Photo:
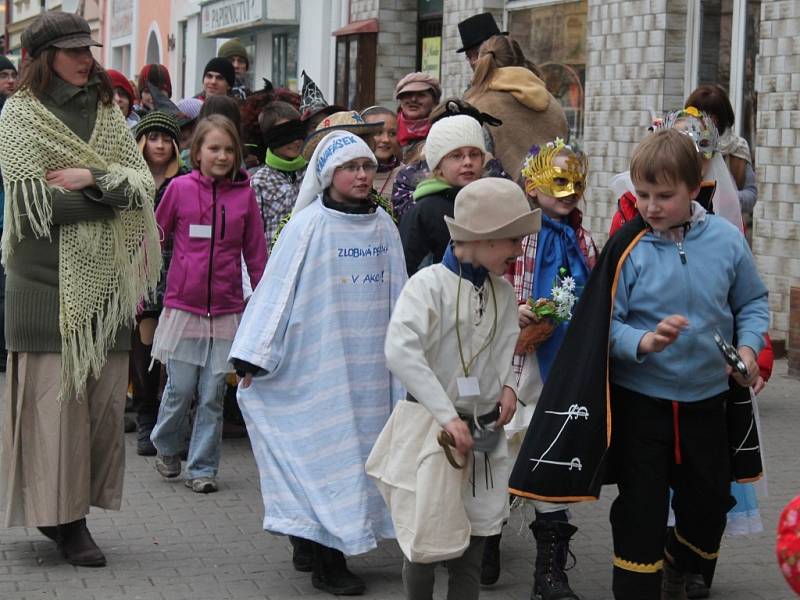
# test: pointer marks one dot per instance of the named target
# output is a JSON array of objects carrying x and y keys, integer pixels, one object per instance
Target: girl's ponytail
[
  {"x": 496, "y": 52},
  {"x": 484, "y": 69}
]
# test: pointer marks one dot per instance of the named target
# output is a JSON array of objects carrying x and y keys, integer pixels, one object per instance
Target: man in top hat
[{"x": 474, "y": 31}]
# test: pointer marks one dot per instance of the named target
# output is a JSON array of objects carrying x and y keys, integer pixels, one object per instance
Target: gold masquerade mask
[{"x": 541, "y": 174}]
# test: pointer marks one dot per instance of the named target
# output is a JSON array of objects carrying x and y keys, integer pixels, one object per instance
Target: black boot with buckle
[
  {"x": 552, "y": 548},
  {"x": 490, "y": 564},
  {"x": 332, "y": 575}
]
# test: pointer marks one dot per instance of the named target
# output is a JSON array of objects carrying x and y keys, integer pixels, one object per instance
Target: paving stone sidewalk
[{"x": 168, "y": 543}]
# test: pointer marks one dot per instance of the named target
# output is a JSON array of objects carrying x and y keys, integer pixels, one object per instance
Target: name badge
[
  {"x": 468, "y": 387},
  {"x": 200, "y": 231}
]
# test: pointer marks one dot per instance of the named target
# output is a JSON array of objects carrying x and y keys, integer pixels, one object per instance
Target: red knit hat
[
  {"x": 157, "y": 75},
  {"x": 118, "y": 80},
  {"x": 788, "y": 547}
]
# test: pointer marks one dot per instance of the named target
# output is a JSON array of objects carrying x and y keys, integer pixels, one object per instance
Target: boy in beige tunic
[{"x": 450, "y": 341}]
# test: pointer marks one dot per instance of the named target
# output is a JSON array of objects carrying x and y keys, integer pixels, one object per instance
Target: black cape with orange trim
[{"x": 565, "y": 452}]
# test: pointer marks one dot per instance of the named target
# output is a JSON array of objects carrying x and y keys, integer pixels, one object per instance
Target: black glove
[{"x": 243, "y": 368}]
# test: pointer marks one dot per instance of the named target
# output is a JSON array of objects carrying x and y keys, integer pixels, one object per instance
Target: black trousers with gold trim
[{"x": 657, "y": 445}]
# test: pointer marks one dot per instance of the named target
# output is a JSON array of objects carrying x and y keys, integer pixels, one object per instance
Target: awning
[{"x": 366, "y": 26}]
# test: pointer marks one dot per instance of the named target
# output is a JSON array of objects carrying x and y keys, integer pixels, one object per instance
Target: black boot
[
  {"x": 696, "y": 587},
  {"x": 49, "y": 531},
  {"x": 490, "y": 565},
  {"x": 302, "y": 554},
  {"x": 673, "y": 581},
  {"x": 331, "y": 573},
  {"x": 552, "y": 548},
  {"x": 78, "y": 547}
]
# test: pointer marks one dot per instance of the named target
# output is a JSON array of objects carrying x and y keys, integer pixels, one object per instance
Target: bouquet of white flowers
[{"x": 549, "y": 313}]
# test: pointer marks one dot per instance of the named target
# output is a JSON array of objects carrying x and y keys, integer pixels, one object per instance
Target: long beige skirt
[{"x": 60, "y": 458}]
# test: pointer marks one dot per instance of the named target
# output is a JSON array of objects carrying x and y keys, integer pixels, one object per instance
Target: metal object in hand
[{"x": 730, "y": 354}]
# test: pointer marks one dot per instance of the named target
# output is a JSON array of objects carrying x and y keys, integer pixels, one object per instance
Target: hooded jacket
[
  {"x": 530, "y": 114},
  {"x": 214, "y": 224},
  {"x": 422, "y": 229}
]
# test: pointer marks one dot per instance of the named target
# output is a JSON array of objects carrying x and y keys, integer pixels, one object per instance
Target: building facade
[
  {"x": 612, "y": 64},
  {"x": 137, "y": 34},
  {"x": 616, "y": 64}
]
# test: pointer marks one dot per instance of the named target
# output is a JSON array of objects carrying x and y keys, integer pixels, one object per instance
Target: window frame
[
  {"x": 738, "y": 49},
  {"x": 366, "y": 61},
  {"x": 519, "y": 5}
]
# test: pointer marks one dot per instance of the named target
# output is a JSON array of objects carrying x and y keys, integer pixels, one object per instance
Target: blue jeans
[{"x": 183, "y": 381}]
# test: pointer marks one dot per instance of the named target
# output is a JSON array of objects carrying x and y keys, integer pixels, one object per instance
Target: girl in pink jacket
[{"x": 214, "y": 220}]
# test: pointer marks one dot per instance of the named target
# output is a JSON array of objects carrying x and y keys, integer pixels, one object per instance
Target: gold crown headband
[{"x": 540, "y": 173}]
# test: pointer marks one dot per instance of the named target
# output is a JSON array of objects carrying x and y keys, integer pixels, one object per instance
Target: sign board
[
  {"x": 431, "y": 56},
  {"x": 429, "y": 8},
  {"x": 229, "y": 15},
  {"x": 122, "y": 23}
]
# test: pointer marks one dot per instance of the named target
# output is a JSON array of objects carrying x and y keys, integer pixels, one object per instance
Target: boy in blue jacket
[
  {"x": 690, "y": 276},
  {"x": 640, "y": 395}
]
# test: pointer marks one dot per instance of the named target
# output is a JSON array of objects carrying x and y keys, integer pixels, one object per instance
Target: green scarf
[
  {"x": 430, "y": 186},
  {"x": 281, "y": 164}
]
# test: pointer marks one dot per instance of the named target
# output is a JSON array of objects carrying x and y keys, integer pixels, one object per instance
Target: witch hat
[
  {"x": 312, "y": 97},
  {"x": 313, "y": 102}
]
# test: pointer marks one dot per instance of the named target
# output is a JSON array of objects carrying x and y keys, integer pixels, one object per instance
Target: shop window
[
  {"x": 554, "y": 38},
  {"x": 284, "y": 60},
  {"x": 355, "y": 70}
]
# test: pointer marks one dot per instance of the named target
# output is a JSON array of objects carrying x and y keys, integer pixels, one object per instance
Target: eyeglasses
[
  {"x": 4, "y": 75},
  {"x": 460, "y": 155},
  {"x": 368, "y": 167}
]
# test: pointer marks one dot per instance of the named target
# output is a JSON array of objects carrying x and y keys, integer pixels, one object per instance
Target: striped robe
[{"x": 317, "y": 324}]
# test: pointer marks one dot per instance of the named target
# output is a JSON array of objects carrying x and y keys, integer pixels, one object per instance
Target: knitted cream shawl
[{"x": 104, "y": 267}]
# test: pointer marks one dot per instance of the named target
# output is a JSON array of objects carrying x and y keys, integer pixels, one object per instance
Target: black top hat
[{"x": 477, "y": 29}]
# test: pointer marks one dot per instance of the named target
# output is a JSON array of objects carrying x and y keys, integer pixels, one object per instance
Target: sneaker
[
  {"x": 202, "y": 485},
  {"x": 168, "y": 466}
]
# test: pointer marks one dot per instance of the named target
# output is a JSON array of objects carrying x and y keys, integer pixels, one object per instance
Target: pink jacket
[{"x": 213, "y": 224}]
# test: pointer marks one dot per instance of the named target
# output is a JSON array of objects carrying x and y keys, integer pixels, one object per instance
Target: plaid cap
[
  {"x": 58, "y": 29},
  {"x": 158, "y": 121}
]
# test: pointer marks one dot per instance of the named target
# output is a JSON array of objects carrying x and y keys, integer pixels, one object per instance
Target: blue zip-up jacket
[{"x": 712, "y": 280}]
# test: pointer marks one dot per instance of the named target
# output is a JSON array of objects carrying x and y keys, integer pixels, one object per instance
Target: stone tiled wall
[
  {"x": 361, "y": 10},
  {"x": 776, "y": 235},
  {"x": 397, "y": 42},
  {"x": 397, "y": 47},
  {"x": 634, "y": 71}
]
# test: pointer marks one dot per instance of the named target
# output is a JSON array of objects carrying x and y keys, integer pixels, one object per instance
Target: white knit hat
[
  {"x": 450, "y": 133},
  {"x": 335, "y": 149}
]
